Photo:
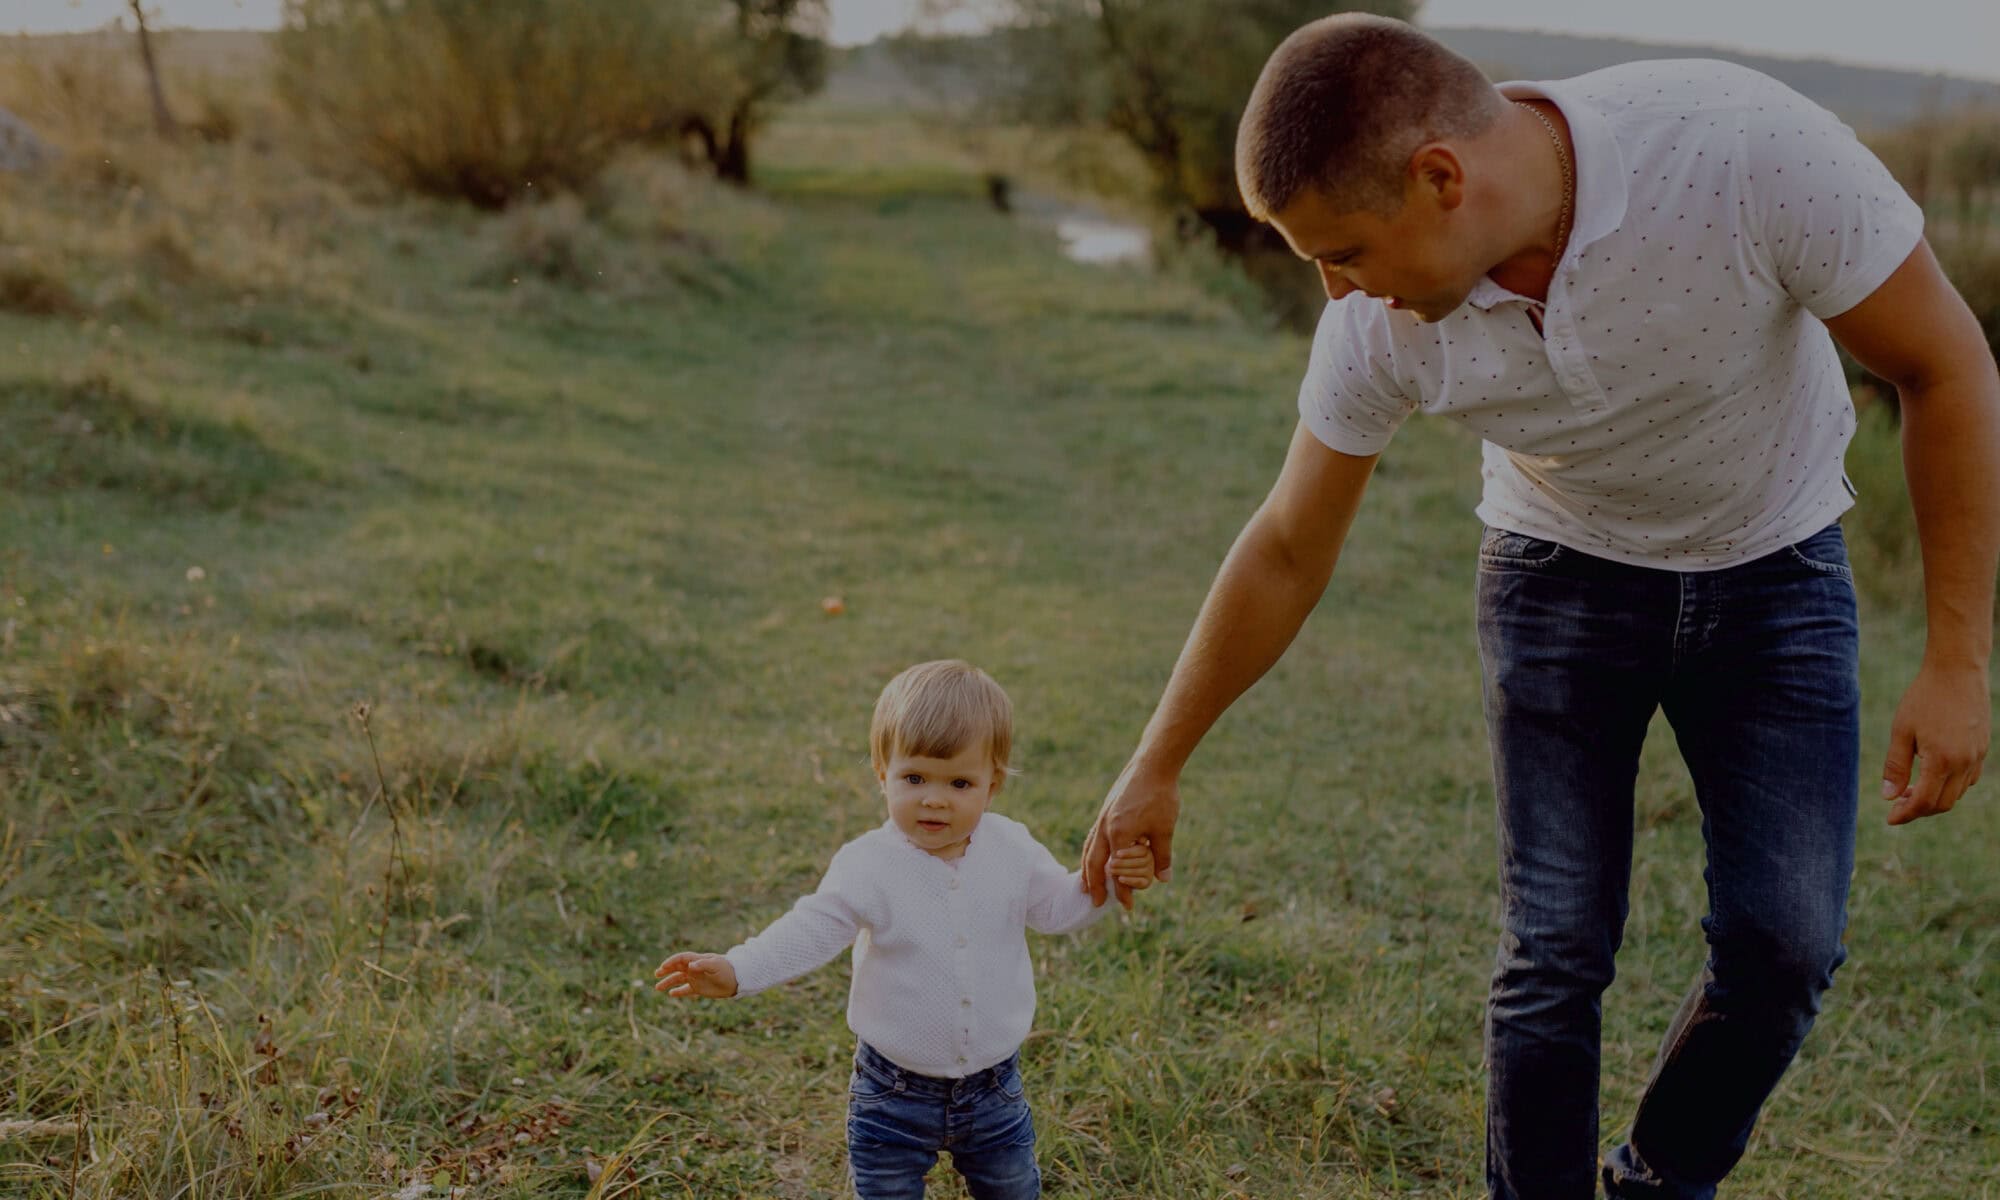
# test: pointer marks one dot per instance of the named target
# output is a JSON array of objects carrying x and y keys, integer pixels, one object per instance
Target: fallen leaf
[{"x": 1384, "y": 1101}]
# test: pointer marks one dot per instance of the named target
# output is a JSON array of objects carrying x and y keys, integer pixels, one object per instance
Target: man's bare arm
[
  {"x": 1915, "y": 332},
  {"x": 1268, "y": 584}
]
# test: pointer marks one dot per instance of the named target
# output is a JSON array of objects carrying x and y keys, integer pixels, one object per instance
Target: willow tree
[
  {"x": 1168, "y": 76},
  {"x": 759, "y": 54}
]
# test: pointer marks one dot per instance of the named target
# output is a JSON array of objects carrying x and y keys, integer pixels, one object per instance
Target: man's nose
[{"x": 1335, "y": 283}]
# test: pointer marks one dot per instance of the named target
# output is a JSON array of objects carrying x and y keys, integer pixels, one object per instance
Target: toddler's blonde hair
[{"x": 936, "y": 709}]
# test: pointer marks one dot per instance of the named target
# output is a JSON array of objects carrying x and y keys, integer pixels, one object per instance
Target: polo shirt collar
[{"x": 1601, "y": 191}]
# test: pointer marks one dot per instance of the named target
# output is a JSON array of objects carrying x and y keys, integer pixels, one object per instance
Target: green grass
[{"x": 569, "y": 537}]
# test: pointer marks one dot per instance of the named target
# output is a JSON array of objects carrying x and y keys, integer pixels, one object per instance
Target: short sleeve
[
  {"x": 1834, "y": 223},
  {"x": 1349, "y": 397}
]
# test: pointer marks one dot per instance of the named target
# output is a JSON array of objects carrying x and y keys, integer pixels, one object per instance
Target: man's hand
[
  {"x": 1139, "y": 809},
  {"x": 1943, "y": 723},
  {"x": 690, "y": 974}
]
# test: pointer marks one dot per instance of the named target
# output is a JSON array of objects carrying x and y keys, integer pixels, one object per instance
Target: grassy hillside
[{"x": 411, "y": 630}]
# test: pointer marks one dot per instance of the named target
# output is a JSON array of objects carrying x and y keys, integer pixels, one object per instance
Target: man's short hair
[
  {"x": 1343, "y": 103},
  {"x": 936, "y": 709}
]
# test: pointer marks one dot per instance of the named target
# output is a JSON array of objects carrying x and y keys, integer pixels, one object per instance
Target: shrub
[
  {"x": 30, "y": 286},
  {"x": 216, "y": 121},
  {"x": 473, "y": 100},
  {"x": 551, "y": 241},
  {"x": 68, "y": 88}
]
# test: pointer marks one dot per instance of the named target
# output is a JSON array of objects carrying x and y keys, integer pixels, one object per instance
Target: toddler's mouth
[{"x": 933, "y": 826}]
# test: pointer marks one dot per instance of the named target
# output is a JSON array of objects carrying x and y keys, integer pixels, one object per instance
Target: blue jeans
[
  {"x": 1755, "y": 668},
  {"x": 898, "y": 1120}
]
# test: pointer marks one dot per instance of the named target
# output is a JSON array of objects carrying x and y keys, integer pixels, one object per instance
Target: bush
[
  {"x": 80, "y": 87},
  {"x": 29, "y": 286},
  {"x": 478, "y": 101},
  {"x": 551, "y": 241}
]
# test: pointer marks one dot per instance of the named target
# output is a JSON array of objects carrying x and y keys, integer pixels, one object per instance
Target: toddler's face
[{"x": 936, "y": 802}]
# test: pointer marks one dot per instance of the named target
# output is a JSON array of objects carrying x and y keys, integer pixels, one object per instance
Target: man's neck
[{"x": 1535, "y": 208}]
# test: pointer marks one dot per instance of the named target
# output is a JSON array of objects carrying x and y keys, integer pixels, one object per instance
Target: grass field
[{"x": 557, "y": 497}]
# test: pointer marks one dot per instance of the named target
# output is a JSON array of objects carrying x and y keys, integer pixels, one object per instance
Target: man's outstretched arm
[
  {"x": 1270, "y": 581},
  {"x": 1915, "y": 332}
]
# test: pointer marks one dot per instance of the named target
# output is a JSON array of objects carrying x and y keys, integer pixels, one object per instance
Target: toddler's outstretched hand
[
  {"x": 691, "y": 974},
  {"x": 1132, "y": 866}
]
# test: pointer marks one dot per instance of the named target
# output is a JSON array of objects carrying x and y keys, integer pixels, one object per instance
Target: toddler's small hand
[
  {"x": 1132, "y": 866},
  {"x": 691, "y": 974}
]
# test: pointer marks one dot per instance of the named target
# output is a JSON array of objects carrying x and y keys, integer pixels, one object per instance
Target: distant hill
[
  {"x": 219, "y": 53},
  {"x": 877, "y": 76},
  {"x": 1865, "y": 97}
]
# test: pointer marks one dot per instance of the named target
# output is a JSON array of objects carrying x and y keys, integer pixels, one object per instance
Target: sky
[{"x": 1958, "y": 36}]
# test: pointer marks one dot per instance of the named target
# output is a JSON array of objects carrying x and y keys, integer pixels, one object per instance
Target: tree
[
  {"x": 1170, "y": 77},
  {"x": 163, "y": 118},
  {"x": 769, "y": 51}
]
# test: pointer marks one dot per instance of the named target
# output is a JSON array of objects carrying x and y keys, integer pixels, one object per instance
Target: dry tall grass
[{"x": 481, "y": 102}]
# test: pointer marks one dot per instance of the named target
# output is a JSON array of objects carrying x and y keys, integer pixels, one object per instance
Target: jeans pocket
[
  {"x": 1824, "y": 552},
  {"x": 864, "y": 1089},
  {"x": 1505, "y": 550}
]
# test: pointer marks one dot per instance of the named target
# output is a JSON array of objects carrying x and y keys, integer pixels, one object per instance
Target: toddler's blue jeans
[{"x": 898, "y": 1120}]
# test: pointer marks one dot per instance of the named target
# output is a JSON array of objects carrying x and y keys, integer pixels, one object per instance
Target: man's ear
[{"x": 1439, "y": 174}]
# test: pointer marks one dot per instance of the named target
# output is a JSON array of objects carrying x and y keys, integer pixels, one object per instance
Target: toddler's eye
[
  {"x": 913, "y": 779},
  {"x": 961, "y": 784}
]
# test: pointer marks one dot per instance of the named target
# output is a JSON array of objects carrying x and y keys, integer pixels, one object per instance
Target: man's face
[{"x": 1408, "y": 260}]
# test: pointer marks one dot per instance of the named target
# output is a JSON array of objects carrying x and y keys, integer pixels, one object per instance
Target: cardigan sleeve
[
  {"x": 1057, "y": 902},
  {"x": 817, "y": 928}
]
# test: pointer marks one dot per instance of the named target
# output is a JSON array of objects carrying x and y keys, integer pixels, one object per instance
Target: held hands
[
  {"x": 1140, "y": 810},
  {"x": 690, "y": 975},
  {"x": 1132, "y": 867},
  {"x": 1943, "y": 725}
]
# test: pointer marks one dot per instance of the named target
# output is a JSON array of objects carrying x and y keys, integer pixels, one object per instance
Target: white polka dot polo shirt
[
  {"x": 1686, "y": 408},
  {"x": 942, "y": 981}
]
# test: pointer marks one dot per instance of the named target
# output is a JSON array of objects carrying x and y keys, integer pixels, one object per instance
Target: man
[{"x": 1624, "y": 283}]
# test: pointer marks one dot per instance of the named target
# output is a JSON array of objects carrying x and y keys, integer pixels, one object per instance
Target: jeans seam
[
  {"x": 1667, "y": 1054},
  {"x": 1680, "y": 615},
  {"x": 1824, "y": 568}
]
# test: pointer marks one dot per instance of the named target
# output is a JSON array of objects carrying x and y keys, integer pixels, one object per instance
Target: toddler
[{"x": 934, "y": 901}]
